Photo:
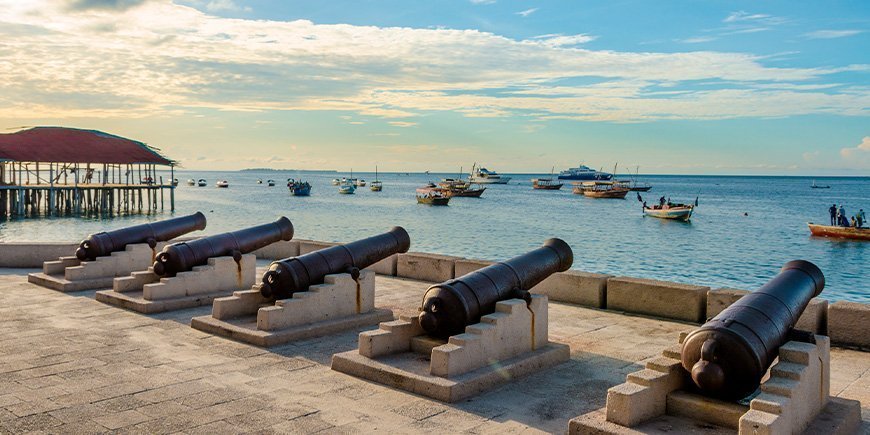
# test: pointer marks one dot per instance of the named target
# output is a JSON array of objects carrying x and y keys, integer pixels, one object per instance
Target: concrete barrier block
[
  {"x": 849, "y": 324},
  {"x": 657, "y": 298},
  {"x": 426, "y": 267},
  {"x": 575, "y": 287},
  {"x": 387, "y": 266},
  {"x": 464, "y": 266},
  {"x": 278, "y": 250},
  {"x": 32, "y": 255},
  {"x": 306, "y": 246},
  {"x": 814, "y": 318}
]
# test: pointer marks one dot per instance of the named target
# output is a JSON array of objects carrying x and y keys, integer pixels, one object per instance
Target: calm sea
[{"x": 744, "y": 230}]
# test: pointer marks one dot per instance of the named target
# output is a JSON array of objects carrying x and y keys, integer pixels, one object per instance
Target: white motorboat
[
  {"x": 484, "y": 176},
  {"x": 201, "y": 182},
  {"x": 223, "y": 183},
  {"x": 191, "y": 182}
]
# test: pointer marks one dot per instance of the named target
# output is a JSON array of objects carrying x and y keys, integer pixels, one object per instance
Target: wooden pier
[{"x": 110, "y": 184}]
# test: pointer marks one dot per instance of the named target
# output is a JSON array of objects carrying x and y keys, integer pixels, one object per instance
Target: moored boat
[
  {"x": 346, "y": 188},
  {"x": 298, "y": 187},
  {"x": 376, "y": 185},
  {"x": 360, "y": 183},
  {"x": 600, "y": 189},
  {"x": 259, "y": 181},
  {"x": 336, "y": 181},
  {"x": 546, "y": 184},
  {"x": 853, "y": 233},
  {"x": 584, "y": 173},
  {"x": 223, "y": 184},
  {"x": 175, "y": 181},
  {"x": 191, "y": 182},
  {"x": 636, "y": 186},
  {"x": 816, "y": 186},
  {"x": 431, "y": 195},
  {"x": 681, "y": 212},
  {"x": 271, "y": 183},
  {"x": 202, "y": 182},
  {"x": 485, "y": 176}
]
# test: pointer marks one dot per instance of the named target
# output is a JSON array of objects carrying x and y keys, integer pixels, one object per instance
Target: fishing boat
[
  {"x": 202, "y": 182},
  {"x": 584, "y": 173},
  {"x": 191, "y": 182},
  {"x": 336, "y": 181},
  {"x": 223, "y": 184},
  {"x": 376, "y": 185},
  {"x": 298, "y": 187},
  {"x": 346, "y": 188},
  {"x": 852, "y": 233},
  {"x": 636, "y": 186},
  {"x": 270, "y": 183},
  {"x": 681, "y": 212},
  {"x": 600, "y": 189},
  {"x": 259, "y": 181},
  {"x": 468, "y": 191},
  {"x": 816, "y": 186},
  {"x": 360, "y": 183},
  {"x": 431, "y": 195},
  {"x": 175, "y": 181},
  {"x": 485, "y": 176},
  {"x": 546, "y": 183}
]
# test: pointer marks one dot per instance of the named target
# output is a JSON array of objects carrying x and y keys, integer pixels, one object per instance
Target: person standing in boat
[
  {"x": 861, "y": 218},
  {"x": 841, "y": 218},
  {"x": 833, "y": 212}
]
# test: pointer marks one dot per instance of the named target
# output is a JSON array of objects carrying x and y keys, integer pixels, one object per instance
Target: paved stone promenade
[{"x": 69, "y": 364}]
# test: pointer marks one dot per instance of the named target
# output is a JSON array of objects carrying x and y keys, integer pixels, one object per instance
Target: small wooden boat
[
  {"x": 816, "y": 186},
  {"x": 223, "y": 184},
  {"x": 191, "y": 182},
  {"x": 636, "y": 186},
  {"x": 546, "y": 184},
  {"x": 202, "y": 182},
  {"x": 682, "y": 212},
  {"x": 432, "y": 196},
  {"x": 360, "y": 183},
  {"x": 601, "y": 189},
  {"x": 336, "y": 181},
  {"x": 298, "y": 187},
  {"x": 271, "y": 183},
  {"x": 376, "y": 185},
  {"x": 839, "y": 232},
  {"x": 346, "y": 188},
  {"x": 468, "y": 192}
]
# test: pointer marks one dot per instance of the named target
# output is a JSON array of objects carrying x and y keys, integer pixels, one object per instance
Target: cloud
[
  {"x": 860, "y": 151},
  {"x": 697, "y": 39},
  {"x": 402, "y": 124},
  {"x": 162, "y": 59},
  {"x": 118, "y": 5},
  {"x": 482, "y": 2},
  {"x": 526, "y": 12},
  {"x": 225, "y": 5},
  {"x": 745, "y": 17},
  {"x": 831, "y": 34}
]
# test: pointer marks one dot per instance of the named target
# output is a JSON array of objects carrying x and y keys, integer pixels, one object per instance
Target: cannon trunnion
[
  {"x": 454, "y": 304},
  {"x": 180, "y": 257},
  {"x": 104, "y": 243},
  {"x": 728, "y": 356}
]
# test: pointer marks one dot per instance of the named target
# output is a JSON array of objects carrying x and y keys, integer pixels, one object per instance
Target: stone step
[
  {"x": 770, "y": 403},
  {"x": 672, "y": 352},
  {"x": 787, "y": 370},
  {"x": 779, "y": 386},
  {"x": 663, "y": 364},
  {"x": 646, "y": 377}
]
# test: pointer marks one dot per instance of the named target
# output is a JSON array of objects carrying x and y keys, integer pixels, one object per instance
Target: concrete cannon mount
[
  {"x": 793, "y": 398},
  {"x": 69, "y": 274},
  {"x": 505, "y": 345},
  {"x": 146, "y": 292},
  {"x": 339, "y": 304}
]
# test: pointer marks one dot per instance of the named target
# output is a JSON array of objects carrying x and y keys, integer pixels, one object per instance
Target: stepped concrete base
[
  {"x": 794, "y": 398},
  {"x": 69, "y": 274},
  {"x": 146, "y": 292},
  {"x": 505, "y": 345},
  {"x": 337, "y": 305}
]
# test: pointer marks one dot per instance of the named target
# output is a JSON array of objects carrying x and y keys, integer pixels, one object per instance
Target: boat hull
[
  {"x": 433, "y": 200},
  {"x": 839, "y": 232},
  {"x": 302, "y": 191},
  {"x": 467, "y": 193},
  {"x": 679, "y": 213},
  {"x": 547, "y": 187},
  {"x": 640, "y": 189},
  {"x": 587, "y": 177},
  {"x": 500, "y": 180}
]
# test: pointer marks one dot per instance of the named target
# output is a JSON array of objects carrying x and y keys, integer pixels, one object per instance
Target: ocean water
[{"x": 744, "y": 229}]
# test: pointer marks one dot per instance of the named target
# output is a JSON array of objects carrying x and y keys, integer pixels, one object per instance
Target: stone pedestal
[
  {"x": 146, "y": 292},
  {"x": 794, "y": 398},
  {"x": 337, "y": 305},
  {"x": 69, "y": 274},
  {"x": 505, "y": 345}
]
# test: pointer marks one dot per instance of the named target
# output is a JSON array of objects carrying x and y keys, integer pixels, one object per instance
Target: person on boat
[
  {"x": 862, "y": 218},
  {"x": 833, "y": 212},
  {"x": 854, "y": 222},
  {"x": 662, "y": 201}
]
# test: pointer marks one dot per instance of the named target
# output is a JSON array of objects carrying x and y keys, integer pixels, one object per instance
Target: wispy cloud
[
  {"x": 225, "y": 5},
  {"x": 831, "y": 34},
  {"x": 482, "y": 2},
  {"x": 402, "y": 124},
  {"x": 526, "y": 12},
  {"x": 697, "y": 39},
  {"x": 558, "y": 40},
  {"x": 745, "y": 17}
]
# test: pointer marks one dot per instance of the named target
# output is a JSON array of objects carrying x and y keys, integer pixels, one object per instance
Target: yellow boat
[{"x": 839, "y": 232}]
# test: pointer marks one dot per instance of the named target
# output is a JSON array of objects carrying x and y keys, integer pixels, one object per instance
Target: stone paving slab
[{"x": 69, "y": 364}]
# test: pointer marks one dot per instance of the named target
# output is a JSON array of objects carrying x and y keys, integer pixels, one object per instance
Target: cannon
[
  {"x": 183, "y": 256},
  {"x": 728, "y": 355},
  {"x": 294, "y": 274},
  {"x": 106, "y": 242},
  {"x": 454, "y": 304}
]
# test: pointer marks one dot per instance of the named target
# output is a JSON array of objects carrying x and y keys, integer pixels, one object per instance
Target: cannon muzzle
[
  {"x": 454, "y": 304},
  {"x": 104, "y": 243},
  {"x": 295, "y": 274},
  {"x": 183, "y": 256},
  {"x": 729, "y": 354}
]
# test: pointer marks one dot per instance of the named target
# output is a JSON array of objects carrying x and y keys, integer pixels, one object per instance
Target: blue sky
[{"x": 674, "y": 87}]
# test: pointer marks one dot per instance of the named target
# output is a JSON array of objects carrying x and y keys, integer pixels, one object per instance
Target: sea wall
[{"x": 847, "y": 323}]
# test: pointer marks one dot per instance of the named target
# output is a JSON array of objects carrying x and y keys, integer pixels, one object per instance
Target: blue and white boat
[{"x": 584, "y": 173}]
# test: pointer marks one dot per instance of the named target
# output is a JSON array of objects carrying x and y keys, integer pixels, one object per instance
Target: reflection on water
[{"x": 744, "y": 230}]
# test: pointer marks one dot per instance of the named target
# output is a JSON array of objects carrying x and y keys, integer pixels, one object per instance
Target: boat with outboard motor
[{"x": 853, "y": 233}]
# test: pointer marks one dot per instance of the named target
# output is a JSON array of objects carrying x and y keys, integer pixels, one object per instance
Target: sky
[{"x": 682, "y": 87}]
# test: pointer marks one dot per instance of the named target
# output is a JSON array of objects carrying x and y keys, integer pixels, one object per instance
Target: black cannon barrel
[
  {"x": 104, "y": 243},
  {"x": 729, "y": 354},
  {"x": 183, "y": 256},
  {"x": 452, "y": 305},
  {"x": 294, "y": 274}
]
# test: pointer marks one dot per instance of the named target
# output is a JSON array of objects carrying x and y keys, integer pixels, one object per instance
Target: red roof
[{"x": 72, "y": 145}]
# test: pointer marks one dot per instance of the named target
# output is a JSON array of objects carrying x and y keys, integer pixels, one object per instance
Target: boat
[
  {"x": 360, "y": 183},
  {"x": 546, "y": 183},
  {"x": 681, "y": 212},
  {"x": 600, "y": 189},
  {"x": 271, "y": 183},
  {"x": 222, "y": 183},
  {"x": 147, "y": 180},
  {"x": 485, "y": 176},
  {"x": 584, "y": 173},
  {"x": 376, "y": 185},
  {"x": 201, "y": 182},
  {"x": 346, "y": 187},
  {"x": 636, "y": 186},
  {"x": 191, "y": 182},
  {"x": 432, "y": 195},
  {"x": 458, "y": 187},
  {"x": 816, "y": 186},
  {"x": 336, "y": 181},
  {"x": 299, "y": 187},
  {"x": 175, "y": 181},
  {"x": 259, "y": 181},
  {"x": 852, "y": 233}
]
